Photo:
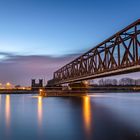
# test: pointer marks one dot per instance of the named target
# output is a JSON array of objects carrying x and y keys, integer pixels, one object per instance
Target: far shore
[{"x": 78, "y": 91}]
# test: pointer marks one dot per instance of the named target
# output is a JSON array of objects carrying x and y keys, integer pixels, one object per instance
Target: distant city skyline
[{"x": 39, "y": 36}]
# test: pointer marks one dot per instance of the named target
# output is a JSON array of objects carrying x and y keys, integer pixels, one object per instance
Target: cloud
[{"x": 20, "y": 69}]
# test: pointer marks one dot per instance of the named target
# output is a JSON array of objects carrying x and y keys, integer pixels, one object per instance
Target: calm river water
[{"x": 112, "y": 116}]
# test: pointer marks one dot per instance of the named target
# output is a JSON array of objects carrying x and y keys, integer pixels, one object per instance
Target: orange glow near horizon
[
  {"x": 40, "y": 110},
  {"x": 7, "y": 110},
  {"x": 87, "y": 114}
]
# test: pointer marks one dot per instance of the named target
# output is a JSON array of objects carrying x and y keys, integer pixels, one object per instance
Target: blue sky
[
  {"x": 60, "y": 27},
  {"x": 57, "y": 28}
]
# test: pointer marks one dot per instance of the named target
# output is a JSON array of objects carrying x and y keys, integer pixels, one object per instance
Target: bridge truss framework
[{"x": 117, "y": 55}]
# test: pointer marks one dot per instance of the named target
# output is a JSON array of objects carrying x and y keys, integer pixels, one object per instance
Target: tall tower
[{"x": 36, "y": 86}]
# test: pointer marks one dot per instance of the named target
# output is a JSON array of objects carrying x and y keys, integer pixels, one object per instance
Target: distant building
[{"x": 35, "y": 85}]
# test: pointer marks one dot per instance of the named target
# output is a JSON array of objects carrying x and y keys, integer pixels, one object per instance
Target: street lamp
[{"x": 8, "y": 85}]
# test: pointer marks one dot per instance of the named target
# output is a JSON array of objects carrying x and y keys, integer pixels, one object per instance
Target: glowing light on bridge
[
  {"x": 86, "y": 82},
  {"x": 40, "y": 90}
]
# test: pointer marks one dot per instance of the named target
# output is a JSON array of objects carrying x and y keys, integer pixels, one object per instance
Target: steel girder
[{"x": 118, "y": 53}]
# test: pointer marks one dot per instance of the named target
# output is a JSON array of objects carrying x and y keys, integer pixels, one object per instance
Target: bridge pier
[{"x": 79, "y": 86}]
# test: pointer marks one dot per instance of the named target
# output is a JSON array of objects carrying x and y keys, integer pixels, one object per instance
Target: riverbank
[
  {"x": 17, "y": 91},
  {"x": 77, "y": 91}
]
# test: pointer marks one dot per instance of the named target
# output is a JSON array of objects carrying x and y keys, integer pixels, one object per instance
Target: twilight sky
[{"x": 39, "y": 36}]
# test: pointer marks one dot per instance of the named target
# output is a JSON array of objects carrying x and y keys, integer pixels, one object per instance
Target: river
[{"x": 108, "y": 116}]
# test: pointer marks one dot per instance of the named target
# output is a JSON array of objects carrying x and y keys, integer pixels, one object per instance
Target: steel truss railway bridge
[{"x": 119, "y": 54}]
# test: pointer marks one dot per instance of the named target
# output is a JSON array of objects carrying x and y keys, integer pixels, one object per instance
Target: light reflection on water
[
  {"x": 67, "y": 118},
  {"x": 7, "y": 111},
  {"x": 124, "y": 105},
  {"x": 40, "y": 111},
  {"x": 87, "y": 114}
]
